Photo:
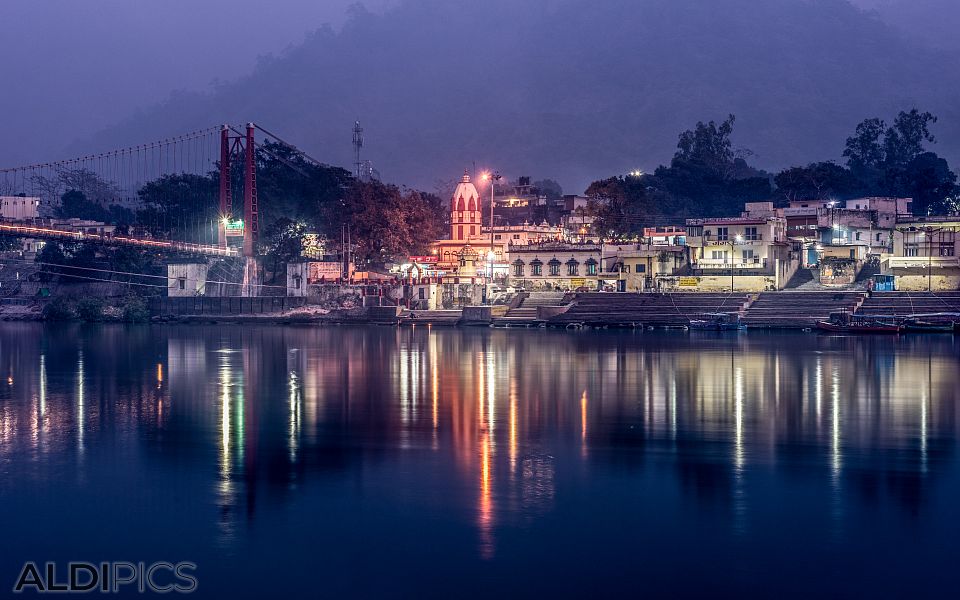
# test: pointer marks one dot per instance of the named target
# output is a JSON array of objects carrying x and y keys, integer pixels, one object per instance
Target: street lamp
[
  {"x": 735, "y": 240},
  {"x": 493, "y": 177}
]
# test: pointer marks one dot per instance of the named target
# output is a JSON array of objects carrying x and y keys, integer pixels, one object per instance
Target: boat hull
[{"x": 833, "y": 328}]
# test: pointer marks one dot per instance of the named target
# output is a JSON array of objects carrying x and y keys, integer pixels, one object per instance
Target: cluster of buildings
[{"x": 873, "y": 241}]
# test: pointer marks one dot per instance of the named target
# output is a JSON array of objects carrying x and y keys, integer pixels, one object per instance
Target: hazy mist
[{"x": 568, "y": 89}]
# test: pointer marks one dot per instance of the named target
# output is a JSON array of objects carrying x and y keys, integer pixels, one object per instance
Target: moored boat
[
  {"x": 717, "y": 322},
  {"x": 918, "y": 326},
  {"x": 844, "y": 322}
]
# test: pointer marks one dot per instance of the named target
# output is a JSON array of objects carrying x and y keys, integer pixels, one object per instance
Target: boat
[
  {"x": 920, "y": 326},
  {"x": 717, "y": 322},
  {"x": 844, "y": 322}
]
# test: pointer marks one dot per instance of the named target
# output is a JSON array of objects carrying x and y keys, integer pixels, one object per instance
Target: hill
[{"x": 575, "y": 89}]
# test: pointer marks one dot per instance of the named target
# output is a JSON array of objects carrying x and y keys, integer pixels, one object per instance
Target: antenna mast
[{"x": 357, "y": 145}]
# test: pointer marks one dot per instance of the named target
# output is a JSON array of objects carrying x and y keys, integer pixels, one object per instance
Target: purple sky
[{"x": 77, "y": 66}]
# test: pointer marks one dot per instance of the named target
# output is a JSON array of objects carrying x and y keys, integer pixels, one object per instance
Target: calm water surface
[{"x": 346, "y": 462}]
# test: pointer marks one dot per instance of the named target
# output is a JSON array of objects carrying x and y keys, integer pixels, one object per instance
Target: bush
[
  {"x": 135, "y": 310},
  {"x": 90, "y": 309},
  {"x": 58, "y": 309}
]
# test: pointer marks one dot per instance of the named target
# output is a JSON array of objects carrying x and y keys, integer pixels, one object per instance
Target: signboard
[
  {"x": 687, "y": 282},
  {"x": 233, "y": 228},
  {"x": 323, "y": 271},
  {"x": 578, "y": 282},
  {"x": 424, "y": 260}
]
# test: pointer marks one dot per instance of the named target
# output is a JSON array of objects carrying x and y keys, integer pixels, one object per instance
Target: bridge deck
[{"x": 114, "y": 240}]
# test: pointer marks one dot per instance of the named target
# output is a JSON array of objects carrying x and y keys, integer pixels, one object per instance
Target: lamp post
[
  {"x": 734, "y": 240},
  {"x": 493, "y": 177}
]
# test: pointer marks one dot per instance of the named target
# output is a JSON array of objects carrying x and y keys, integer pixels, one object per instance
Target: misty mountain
[
  {"x": 575, "y": 90},
  {"x": 933, "y": 23}
]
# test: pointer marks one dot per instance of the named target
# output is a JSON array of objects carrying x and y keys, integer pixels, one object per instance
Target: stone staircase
[
  {"x": 790, "y": 309},
  {"x": 663, "y": 310},
  {"x": 910, "y": 303},
  {"x": 527, "y": 311}
]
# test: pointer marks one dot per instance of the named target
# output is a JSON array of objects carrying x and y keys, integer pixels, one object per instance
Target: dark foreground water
[{"x": 376, "y": 462}]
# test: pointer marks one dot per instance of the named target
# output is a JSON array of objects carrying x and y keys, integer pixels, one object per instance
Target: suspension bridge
[{"x": 133, "y": 179}]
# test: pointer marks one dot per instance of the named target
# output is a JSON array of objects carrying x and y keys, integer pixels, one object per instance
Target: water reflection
[{"x": 500, "y": 418}]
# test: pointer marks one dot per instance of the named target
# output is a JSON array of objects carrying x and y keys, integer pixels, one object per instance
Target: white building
[{"x": 19, "y": 208}]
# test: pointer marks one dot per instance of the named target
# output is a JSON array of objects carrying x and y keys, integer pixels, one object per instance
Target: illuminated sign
[
  {"x": 233, "y": 228},
  {"x": 688, "y": 282},
  {"x": 324, "y": 271},
  {"x": 424, "y": 260}
]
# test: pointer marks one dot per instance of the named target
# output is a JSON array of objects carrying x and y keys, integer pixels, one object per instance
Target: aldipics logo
[{"x": 108, "y": 577}]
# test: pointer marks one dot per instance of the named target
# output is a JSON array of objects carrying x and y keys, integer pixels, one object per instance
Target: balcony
[
  {"x": 738, "y": 263},
  {"x": 923, "y": 262}
]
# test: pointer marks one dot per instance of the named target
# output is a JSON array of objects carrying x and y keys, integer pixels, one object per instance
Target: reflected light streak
[
  {"x": 835, "y": 422},
  {"x": 293, "y": 434},
  {"x": 490, "y": 393},
  {"x": 43, "y": 385},
  {"x": 80, "y": 410},
  {"x": 583, "y": 422},
  {"x": 486, "y": 500},
  {"x": 738, "y": 416},
  {"x": 513, "y": 425}
]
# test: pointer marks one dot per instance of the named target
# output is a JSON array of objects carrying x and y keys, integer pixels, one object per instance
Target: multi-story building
[
  {"x": 638, "y": 267},
  {"x": 747, "y": 253},
  {"x": 926, "y": 254},
  {"x": 19, "y": 208},
  {"x": 554, "y": 265}
]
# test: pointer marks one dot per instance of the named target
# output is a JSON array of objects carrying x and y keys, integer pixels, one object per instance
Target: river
[{"x": 381, "y": 462}]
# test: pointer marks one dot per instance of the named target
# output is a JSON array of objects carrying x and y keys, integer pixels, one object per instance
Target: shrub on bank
[
  {"x": 58, "y": 309},
  {"x": 135, "y": 310},
  {"x": 90, "y": 309}
]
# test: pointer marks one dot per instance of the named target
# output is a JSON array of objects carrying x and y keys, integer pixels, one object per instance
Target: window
[
  {"x": 423, "y": 295},
  {"x": 591, "y": 267},
  {"x": 518, "y": 268},
  {"x": 718, "y": 255},
  {"x": 554, "y": 268},
  {"x": 858, "y": 236},
  {"x": 878, "y": 237},
  {"x": 751, "y": 235},
  {"x": 641, "y": 268},
  {"x": 947, "y": 249},
  {"x": 723, "y": 234},
  {"x": 496, "y": 237},
  {"x": 537, "y": 268},
  {"x": 516, "y": 236},
  {"x": 573, "y": 267},
  {"x": 626, "y": 268},
  {"x": 748, "y": 255},
  {"x": 911, "y": 250},
  {"x": 296, "y": 282},
  {"x": 473, "y": 230},
  {"x": 182, "y": 283},
  {"x": 459, "y": 232}
]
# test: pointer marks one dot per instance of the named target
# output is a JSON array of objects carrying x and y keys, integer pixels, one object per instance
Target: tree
[
  {"x": 816, "y": 181},
  {"x": 183, "y": 206},
  {"x": 283, "y": 241},
  {"x": 904, "y": 141},
  {"x": 893, "y": 161},
  {"x": 386, "y": 221},
  {"x": 549, "y": 188},
  {"x": 709, "y": 146},
  {"x": 864, "y": 150},
  {"x": 74, "y": 204}
]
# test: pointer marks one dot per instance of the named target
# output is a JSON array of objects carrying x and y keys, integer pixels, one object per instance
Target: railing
[
  {"x": 719, "y": 263},
  {"x": 77, "y": 236},
  {"x": 922, "y": 262}
]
